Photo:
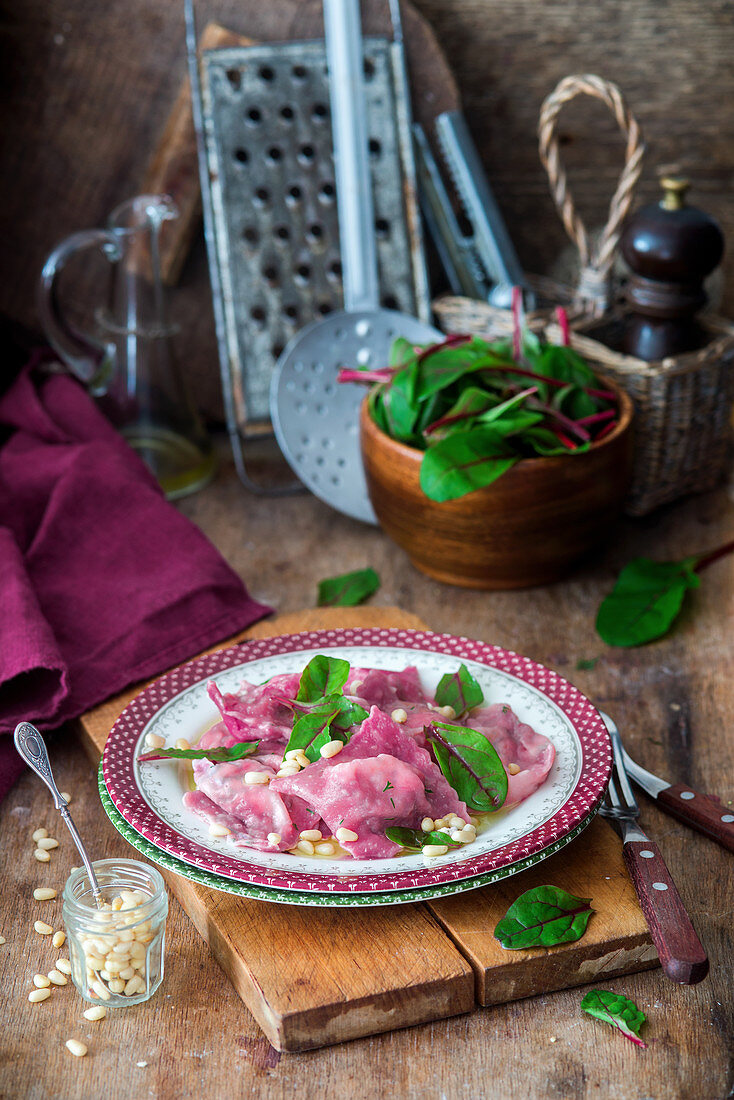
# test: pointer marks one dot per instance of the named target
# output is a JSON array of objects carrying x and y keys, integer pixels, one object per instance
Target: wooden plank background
[{"x": 88, "y": 88}]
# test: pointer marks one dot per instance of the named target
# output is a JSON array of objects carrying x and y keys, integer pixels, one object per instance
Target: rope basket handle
[{"x": 594, "y": 281}]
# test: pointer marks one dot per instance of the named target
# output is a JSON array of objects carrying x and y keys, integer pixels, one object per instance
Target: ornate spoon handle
[{"x": 32, "y": 748}]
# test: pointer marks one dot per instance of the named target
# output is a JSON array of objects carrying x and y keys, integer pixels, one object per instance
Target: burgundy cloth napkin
[{"x": 102, "y": 581}]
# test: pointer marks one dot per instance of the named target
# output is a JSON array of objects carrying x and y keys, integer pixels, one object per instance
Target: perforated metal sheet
[{"x": 269, "y": 150}]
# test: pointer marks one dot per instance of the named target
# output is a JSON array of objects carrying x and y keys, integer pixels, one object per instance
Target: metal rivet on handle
[
  {"x": 727, "y": 818},
  {"x": 688, "y": 795},
  {"x": 647, "y": 854},
  {"x": 659, "y": 886}
]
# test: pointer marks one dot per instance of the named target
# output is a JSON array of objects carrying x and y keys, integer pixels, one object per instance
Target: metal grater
[{"x": 266, "y": 123}]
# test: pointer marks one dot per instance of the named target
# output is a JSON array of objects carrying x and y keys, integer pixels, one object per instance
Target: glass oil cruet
[{"x": 128, "y": 362}]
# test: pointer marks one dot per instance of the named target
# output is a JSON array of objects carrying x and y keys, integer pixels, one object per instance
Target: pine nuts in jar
[{"x": 116, "y": 951}]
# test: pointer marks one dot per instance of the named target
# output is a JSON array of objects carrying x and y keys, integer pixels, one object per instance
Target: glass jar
[{"x": 116, "y": 951}]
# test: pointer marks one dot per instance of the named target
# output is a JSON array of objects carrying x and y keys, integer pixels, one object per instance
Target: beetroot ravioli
[{"x": 362, "y": 759}]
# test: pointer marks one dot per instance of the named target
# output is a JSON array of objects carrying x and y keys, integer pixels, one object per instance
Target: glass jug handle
[{"x": 90, "y": 359}]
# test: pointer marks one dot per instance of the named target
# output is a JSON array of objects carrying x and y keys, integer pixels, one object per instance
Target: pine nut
[
  {"x": 127, "y": 973},
  {"x": 135, "y": 985},
  {"x": 301, "y": 758},
  {"x": 101, "y": 990},
  {"x": 154, "y": 741},
  {"x": 66, "y": 796},
  {"x": 59, "y": 938},
  {"x": 42, "y": 928},
  {"x": 63, "y": 965},
  {"x": 399, "y": 715},
  {"x": 42, "y": 855},
  {"x": 57, "y": 977},
  {"x": 48, "y": 843},
  {"x": 345, "y": 836},
  {"x": 273, "y": 839},
  {"x": 467, "y": 835},
  {"x": 324, "y": 848},
  {"x": 122, "y": 950},
  {"x": 332, "y": 748},
  {"x": 44, "y": 893},
  {"x": 215, "y": 829},
  {"x": 37, "y": 995},
  {"x": 75, "y": 1047},
  {"x": 117, "y": 903},
  {"x": 311, "y": 834},
  {"x": 513, "y": 769},
  {"x": 105, "y": 974},
  {"x": 306, "y": 847},
  {"x": 255, "y": 778},
  {"x": 290, "y": 768},
  {"x": 435, "y": 849},
  {"x": 93, "y": 963},
  {"x": 447, "y": 712},
  {"x": 427, "y": 825},
  {"x": 456, "y": 822},
  {"x": 39, "y": 835},
  {"x": 113, "y": 967},
  {"x": 41, "y": 981},
  {"x": 117, "y": 985},
  {"x": 96, "y": 1012},
  {"x": 292, "y": 754},
  {"x": 182, "y": 743},
  {"x": 137, "y": 950}
]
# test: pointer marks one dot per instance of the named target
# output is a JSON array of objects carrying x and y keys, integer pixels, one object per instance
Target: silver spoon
[{"x": 32, "y": 748}]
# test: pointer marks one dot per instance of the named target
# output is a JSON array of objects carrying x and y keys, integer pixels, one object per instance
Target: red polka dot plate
[{"x": 148, "y": 797}]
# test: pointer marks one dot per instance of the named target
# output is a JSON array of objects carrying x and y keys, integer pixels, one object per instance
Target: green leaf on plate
[
  {"x": 459, "y": 690},
  {"x": 218, "y": 756},
  {"x": 312, "y": 730},
  {"x": 543, "y": 917},
  {"x": 618, "y": 1011},
  {"x": 645, "y": 601},
  {"x": 471, "y": 765},
  {"x": 416, "y": 838},
  {"x": 348, "y": 589},
  {"x": 322, "y": 676}
]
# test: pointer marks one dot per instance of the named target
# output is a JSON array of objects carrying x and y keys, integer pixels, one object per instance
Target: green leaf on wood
[
  {"x": 543, "y": 917},
  {"x": 471, "y": 765},
  {"x": 618, "y": 1011},
  {"x": 348, "y": 589},
  {"x": 645, "y": 601}
]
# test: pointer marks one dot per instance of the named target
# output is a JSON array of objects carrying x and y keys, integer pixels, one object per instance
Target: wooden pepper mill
[{"x": 670, "y": 248}]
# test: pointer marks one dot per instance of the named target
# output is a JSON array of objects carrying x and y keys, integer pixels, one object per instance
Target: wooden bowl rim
[{"x": 626, "y": 413}]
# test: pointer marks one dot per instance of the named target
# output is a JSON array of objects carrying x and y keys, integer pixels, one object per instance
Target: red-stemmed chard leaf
[
  {"x": 459, "y": 690},
  {"x": 543, "y": 917},
  {"x": 614, "y": 1009},
  {"x": 414, "y": 839},
  {"x": 470, "y": 763},
  {"x": 464, "y": 462},
  {"x": 322, "y": 676},
  {"x": 216, "y": 755},
  {"x": 348, "y": 589}
]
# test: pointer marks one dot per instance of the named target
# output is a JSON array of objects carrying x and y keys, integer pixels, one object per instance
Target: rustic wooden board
[{"x": 313, "y": 977}]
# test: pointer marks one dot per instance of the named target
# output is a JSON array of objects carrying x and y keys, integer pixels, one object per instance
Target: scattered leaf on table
[
  {"x": 614, "y": 1009},
  {"x": 470, "y": 763},
  {"x": 585, "y": 664},
  {"x": 645, "y": 601},
  {"x": 349, "y": 589},
  {"x": 459, "y": 690},
  {"x": 543, "y": 917}
]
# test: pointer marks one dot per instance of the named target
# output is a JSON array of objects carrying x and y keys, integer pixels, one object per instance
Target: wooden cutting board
[{"x": 312, "y": 977}]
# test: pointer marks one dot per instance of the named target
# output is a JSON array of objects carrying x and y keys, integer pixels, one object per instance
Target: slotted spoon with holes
[{"x": 316, "y": 420}]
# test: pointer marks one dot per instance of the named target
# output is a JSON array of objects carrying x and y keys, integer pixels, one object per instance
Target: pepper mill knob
[{"x": 670, "y": 248}]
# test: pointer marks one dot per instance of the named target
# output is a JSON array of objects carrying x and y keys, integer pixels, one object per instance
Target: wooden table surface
[{"x": 673, "y": 701}]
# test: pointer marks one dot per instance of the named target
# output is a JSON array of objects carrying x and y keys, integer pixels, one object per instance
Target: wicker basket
[{"x": 682, "y": 405}]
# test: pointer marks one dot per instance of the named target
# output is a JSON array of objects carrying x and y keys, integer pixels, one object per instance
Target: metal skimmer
[{"x": 269, "y": 195}]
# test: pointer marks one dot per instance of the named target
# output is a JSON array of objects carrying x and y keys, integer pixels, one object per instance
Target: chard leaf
[
  {"x": 218, "y": 756},
  {"x": 543, "y": 917},
  {"x": 614, "y": 1009},
  {"x": 399, "y": 404},
  {"x": 348, "y": 589},
  {"x": 645, "y": 600},
  {"x": 311, "y": 731},
  {"x": 459, "y": 690},
  {"x": 402, "y": 353},
  {"x": 416, "y": 838},
  {"x": 470, "y": 763},
  {"x": 322, "y": 676},
  {"x": 348, "y": 714},
  {"x": 464, "y": 462}
]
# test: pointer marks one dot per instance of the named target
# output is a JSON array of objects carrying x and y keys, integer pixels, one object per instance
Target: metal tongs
[{"x": 681, "y": 953}]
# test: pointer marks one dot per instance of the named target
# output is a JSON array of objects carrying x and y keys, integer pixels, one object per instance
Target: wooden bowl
[{"x": 531, "y": 526}]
